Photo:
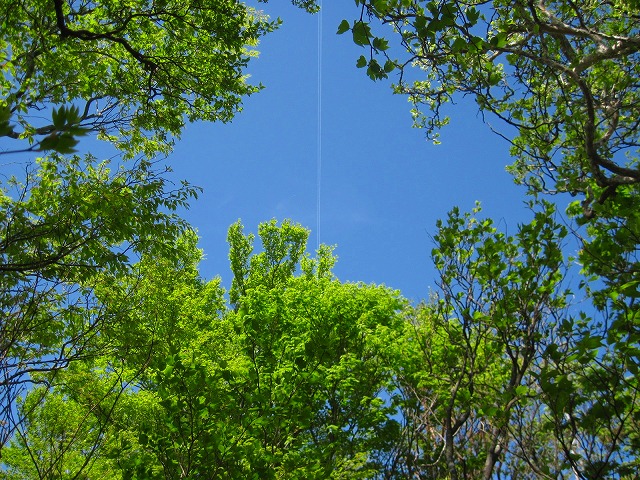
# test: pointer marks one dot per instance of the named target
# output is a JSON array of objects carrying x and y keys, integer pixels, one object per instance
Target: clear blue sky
[{"x": 383, "y": 185}]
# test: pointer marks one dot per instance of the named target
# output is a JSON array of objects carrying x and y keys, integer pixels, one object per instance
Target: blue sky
[{"x": 383, "y": 186}]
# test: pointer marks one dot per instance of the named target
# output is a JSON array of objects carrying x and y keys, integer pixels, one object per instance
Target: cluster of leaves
[
  {"x": 564, "y": 75},
  {"x": 509, "y": 379},
  {"x": 132, "y": 74},
  {"x": 288, "y": 384},
  {"x": 562, "y": 78},
  {"x": 498, "y": 302},
  {"x": 69, "y": 221},
  {"x": 302, "y": 376}
]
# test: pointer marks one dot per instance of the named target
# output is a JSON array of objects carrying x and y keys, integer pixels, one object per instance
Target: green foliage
[
  {"x": 569, "y": 100},
  {"x": 562, "y": 78},
  {"x": 66, "y": 127},
  {"x": 135, "y": 73},
  {"x": 571, "y": 96},
  {"x": 473, "y": 354},
  {"x": 289, "y": 384},
  {"x": 141, "y": 369},
  {"x": 303, "y": 376},
  {"x": 145, "y": 318},
  {"x": 283, "y": 248},
  {"x": 58, "y": 434},
  {"x": 132, "y": 74},
  {"x": 71, "y": 225},
  {"x": 73, "y": 214},
  {"x": 310, "y": 6},
  {"x": 499, "y": 375},
  {"x": 312, "y": 359}
]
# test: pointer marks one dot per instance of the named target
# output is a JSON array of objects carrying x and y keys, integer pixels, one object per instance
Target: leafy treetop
[
  {"x": 563, "y": 74},
  {"x": 133, "y": 72}
]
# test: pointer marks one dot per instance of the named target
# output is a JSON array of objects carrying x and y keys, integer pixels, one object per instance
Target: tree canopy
[
  {"x": 118, "y": 360},
  {"x": 289, "y": 381},
  {"x": 559, "y": 81},
  {"x": 299, "y": 375},
  {"x": 564, "y": 75},
  {"x": 127, "y": 73},
  {"x": 132, "y": 73},
  {"x": 561, "y": 78}
]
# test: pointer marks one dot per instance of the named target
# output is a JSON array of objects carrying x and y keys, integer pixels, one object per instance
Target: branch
[{"x": 88, "y": 35}]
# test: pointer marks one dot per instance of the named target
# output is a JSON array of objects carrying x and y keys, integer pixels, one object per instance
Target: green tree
[
  {"x": 562, "y": 80},
  {"x": 298, "y": 389},
  {"x": 564, "y": 75},
  {"x": 472, "y": 356},
  {"x": 134, "y": 73},
  {"x": 130, "y": 74},
  {"x": 561, "y": 77},
  {"x": 73, "y": 223},
  {"x": 291, "y": 380},
  {"x": 81, "y": 414},
  {"x": 65, "y": 428},
  {"x": 499, "y": 374}
]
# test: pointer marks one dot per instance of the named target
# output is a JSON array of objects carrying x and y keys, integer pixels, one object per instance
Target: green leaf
[
  {"x": 380, "y": 44},
  {"x": 473, "y": 15},
  {"x": 343, "y": 27},
  {"x": 5, "y": 117},
  {"x": 58, "y": 118},
  {"x": 361, "y": 33},
  {"x": 381, "y": 6},
  {"x": 374, "y": 71},
  {"x": 630, "y": 289},
  {"x": 499, "y": 40},
  {"x": 494, "y": 78},
  {"x": 61, "y": 143},
  {"x": 459, "y": 45},
  {"x": 362, "y": 62}
]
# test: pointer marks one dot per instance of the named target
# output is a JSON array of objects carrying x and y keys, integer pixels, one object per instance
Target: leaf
[
  {"x": 343, "y": 27},
  {"x": 478, "y": 43},
  {"x": 499, "y": 40},
  {"x": 521, "y": 390},
  {"x": 589, "y": 343},
  {"x": 381, "y": 6},
  {"x": 389, "y": 66},
  {"x": 473, "y": 15},
  {"x": 374, "y": 71},
  {"x": 494, "y": 77},
  {"x": 380, "y": 44},
  {"x": 5, "y": 117},
  {"x": 459, "y": 45},
  {"x": 362, "y": 62},
  {"x": 61, "y": 143},
  {"x": 361, "y": 33},
  {"x": 58, "y": 118},
  {"x": 630, "y": 289}
]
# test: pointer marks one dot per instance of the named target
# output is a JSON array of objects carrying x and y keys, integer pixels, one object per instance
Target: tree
[
  {"x": 64, "y": 430},
  {"x": 78, "y": 415},
  {"x": 564, "y": 75},
  {"x": 469, "y": 381},
  {"x": 297, "y": 392},
  {"x": 129, "y": 74},
  {"x": 73, "y": 223},
  {"x": 562, "y": 80},
  {"x": 288, "y": 381}
]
